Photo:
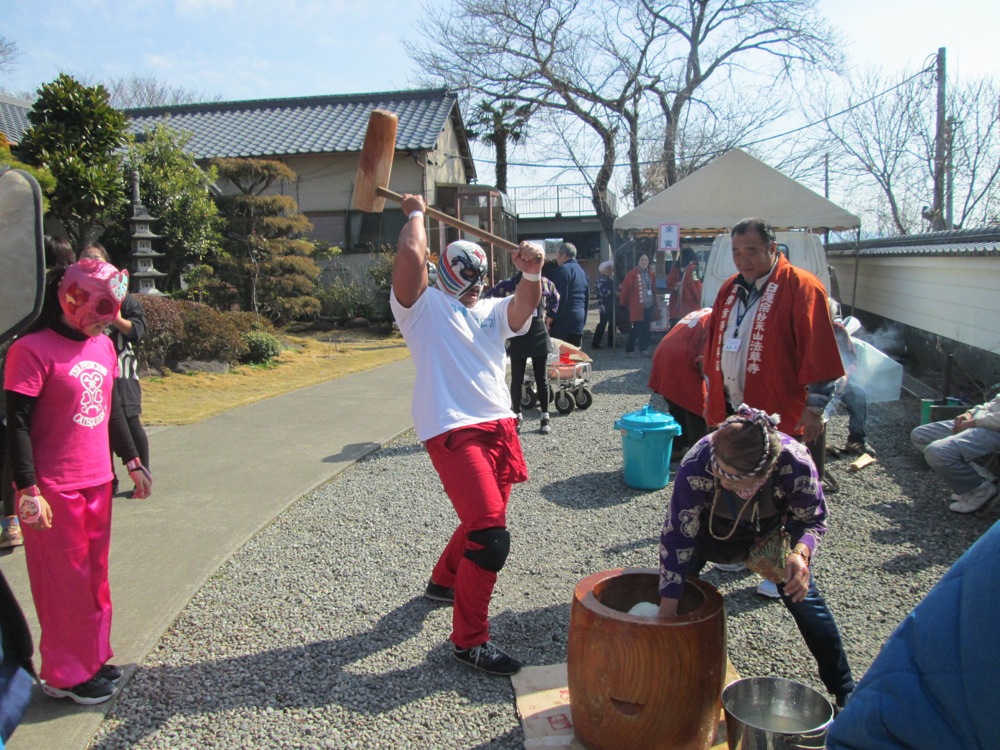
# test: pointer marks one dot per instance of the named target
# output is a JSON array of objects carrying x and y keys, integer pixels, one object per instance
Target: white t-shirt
[{"x": 459, "y": 357}]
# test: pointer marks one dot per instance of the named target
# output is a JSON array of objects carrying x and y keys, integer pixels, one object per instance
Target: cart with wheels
[{"x": 568, "y": 371}]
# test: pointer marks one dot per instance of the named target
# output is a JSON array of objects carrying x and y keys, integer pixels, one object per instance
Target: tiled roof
[
  {"x": 983, "y": 241},
  {"x": 13, "y": 117},
  {"x": 309, "y": 125}
]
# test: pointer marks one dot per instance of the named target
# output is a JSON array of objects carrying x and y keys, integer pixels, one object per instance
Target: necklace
[{"x": 754, "y": 515}]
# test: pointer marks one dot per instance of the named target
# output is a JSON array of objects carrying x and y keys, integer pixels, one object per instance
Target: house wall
[
  {"x": 324, "y": 183},
  {"x": 444, "y": 164},
  {"x": 947, "y": 303}
]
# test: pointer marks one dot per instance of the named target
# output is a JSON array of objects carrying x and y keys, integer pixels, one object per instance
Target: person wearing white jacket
[{"x": 953, "y": 447}]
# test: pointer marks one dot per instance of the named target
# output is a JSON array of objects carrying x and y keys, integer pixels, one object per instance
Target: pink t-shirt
[{"x": 72, "y": 382}]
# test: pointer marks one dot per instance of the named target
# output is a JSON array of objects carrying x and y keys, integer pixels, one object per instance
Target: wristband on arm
[
  {"x": 530, "y": 276},
  {"x": 29, "y": 509},
  {"x": 136, "y": 465}
]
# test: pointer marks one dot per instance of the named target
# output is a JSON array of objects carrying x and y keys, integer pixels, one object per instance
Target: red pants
[
  {"x": 68, "y": 571},
  {"x": 478, "y": 465}
]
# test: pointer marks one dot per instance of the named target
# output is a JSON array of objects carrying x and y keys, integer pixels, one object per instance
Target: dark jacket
[
  {"x": 573, "y": 286},
  {"x": 129, "y": 391}
]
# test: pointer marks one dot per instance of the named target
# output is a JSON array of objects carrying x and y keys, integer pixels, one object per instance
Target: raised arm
[
  {"x": 528, "y": 260},
  {"x": 409, "y": 272}
]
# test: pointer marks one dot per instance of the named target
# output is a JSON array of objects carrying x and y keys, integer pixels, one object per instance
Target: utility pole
[
  {"x": 950, "y": 172},
  {"x": 826, "y": 189},
  {"x": 940, "y": 147}
]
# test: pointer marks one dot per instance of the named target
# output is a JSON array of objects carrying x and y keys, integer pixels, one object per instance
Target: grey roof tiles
[{"x": 308, "y": 125}]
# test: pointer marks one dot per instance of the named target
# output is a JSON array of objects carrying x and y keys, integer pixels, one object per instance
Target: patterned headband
[{"x": 768, "y": 423}]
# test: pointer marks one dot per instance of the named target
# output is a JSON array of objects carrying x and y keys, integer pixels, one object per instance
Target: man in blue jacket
[
  {"x": 935, "y": 683},
  {"x": 574, "y": 292}
]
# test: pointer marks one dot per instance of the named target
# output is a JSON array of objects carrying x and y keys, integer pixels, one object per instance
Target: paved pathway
[{"x": 217, "y": 483}]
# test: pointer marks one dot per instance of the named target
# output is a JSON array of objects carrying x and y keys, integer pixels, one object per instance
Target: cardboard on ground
[{"x": 543, "y": 702}]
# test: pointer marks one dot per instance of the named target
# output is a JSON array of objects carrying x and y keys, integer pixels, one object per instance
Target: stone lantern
[{"x": 141, "y": 270}]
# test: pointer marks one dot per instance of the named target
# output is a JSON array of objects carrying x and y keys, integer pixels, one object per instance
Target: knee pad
[{"x": 496, "y": 546}]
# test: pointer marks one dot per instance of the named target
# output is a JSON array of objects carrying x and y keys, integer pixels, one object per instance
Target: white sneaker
[
  {"x": 974, "y": 499},
  {"x": 729, "y": 567},
  {"x": 768, "y": 589},
  {"x": 544, "y": 427}
]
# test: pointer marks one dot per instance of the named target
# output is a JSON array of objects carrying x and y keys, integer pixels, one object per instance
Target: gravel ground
[{"x": 315, "y": 635}]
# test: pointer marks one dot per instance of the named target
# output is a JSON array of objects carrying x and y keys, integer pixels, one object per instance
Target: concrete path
[{"x": 216, "y": 484}]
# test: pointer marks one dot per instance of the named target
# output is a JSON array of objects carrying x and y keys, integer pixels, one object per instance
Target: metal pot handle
[{"x": 793, "y": 740}]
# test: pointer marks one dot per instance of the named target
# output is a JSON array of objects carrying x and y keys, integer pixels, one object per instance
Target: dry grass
[{"x": 310, "y": 358}]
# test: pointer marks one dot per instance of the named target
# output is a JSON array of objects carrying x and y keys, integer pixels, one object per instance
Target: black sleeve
[
  {"x": 19, "y": 453},
  {"x": 132, "y": 311},
  {"x": 121, "y": 437}
]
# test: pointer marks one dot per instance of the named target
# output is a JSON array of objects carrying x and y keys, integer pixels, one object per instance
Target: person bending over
[{"x": 734, "y": 488}]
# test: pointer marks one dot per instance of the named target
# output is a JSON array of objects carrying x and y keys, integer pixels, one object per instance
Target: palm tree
[{"x": 497, "y": 124}]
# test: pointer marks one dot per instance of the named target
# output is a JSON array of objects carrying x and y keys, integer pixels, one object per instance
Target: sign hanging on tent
[{"x": 670, "y": 237}]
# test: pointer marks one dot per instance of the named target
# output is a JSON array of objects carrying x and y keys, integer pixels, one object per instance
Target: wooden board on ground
[
  {"x": 861, "y": 463},
  {"x": 543, "y": 702}
]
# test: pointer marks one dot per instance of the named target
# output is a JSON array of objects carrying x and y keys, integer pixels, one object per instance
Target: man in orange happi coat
[
  {"x": 677, "y": 375},
  {"x": 772, "y": 344}
]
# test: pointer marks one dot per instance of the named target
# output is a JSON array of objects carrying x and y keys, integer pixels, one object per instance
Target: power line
[{"x": 825, "y": 119}]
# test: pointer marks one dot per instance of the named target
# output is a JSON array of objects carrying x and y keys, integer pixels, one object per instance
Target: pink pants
[
  {"x": 68, "y": 571},
  {"x": 478, "y": 465}
]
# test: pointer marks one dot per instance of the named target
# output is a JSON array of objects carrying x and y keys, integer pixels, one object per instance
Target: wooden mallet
[{"x": 374, "y": 167}]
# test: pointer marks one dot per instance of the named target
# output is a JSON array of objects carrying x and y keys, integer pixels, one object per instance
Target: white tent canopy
[{"x": 732, "y": 187}]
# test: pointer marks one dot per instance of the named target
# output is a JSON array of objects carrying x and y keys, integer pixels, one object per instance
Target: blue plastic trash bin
[{"x": 647, "y": 439}]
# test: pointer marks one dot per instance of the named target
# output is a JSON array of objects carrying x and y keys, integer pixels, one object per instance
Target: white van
[{"x": 803, "y": 249}]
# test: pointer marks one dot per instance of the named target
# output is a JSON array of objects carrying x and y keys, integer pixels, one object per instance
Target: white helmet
[{"x": 461, "y": 266}]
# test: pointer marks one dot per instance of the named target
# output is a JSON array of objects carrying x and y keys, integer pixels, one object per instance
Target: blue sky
[
  {"x": 254, "y": 49},
  {"x": 249, "y": 49}
]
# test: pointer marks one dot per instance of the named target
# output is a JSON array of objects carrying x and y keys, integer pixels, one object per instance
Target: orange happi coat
[
  {"x": 792, "y": 345},
  {"x": 676, "y": 371},
  {"x": 629, "y": 294},
  {"x": 685, "y": 291}
]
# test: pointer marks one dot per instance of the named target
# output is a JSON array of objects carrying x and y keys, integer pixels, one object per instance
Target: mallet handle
[{"x": 453, "y": 222}]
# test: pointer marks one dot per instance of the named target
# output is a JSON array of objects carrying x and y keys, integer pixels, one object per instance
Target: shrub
[
  {"x": 345, "y": 301},
  {"x": 262, "y": 347},
  {"x": 246, "y": 322},
  {"x": 164, "y": 330},
  {"x": 209, "y": 336}
]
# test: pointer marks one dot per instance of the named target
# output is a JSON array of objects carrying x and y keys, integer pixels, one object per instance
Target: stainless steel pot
[{"x": 771, "y": 713}]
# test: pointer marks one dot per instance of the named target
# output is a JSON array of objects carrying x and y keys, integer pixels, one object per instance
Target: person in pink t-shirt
[{"x": 61, "y": 417}]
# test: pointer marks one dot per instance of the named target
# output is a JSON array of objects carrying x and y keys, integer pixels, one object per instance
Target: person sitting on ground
[
  {"x": 734, "y": 488},
  {"x": 953, "y": 447},
  {"x": 535, "y": 344},
  {"x": 461, "y": 413},
  {"x": 677, "y": 377},
  {"x": 606, "y": 304}
]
